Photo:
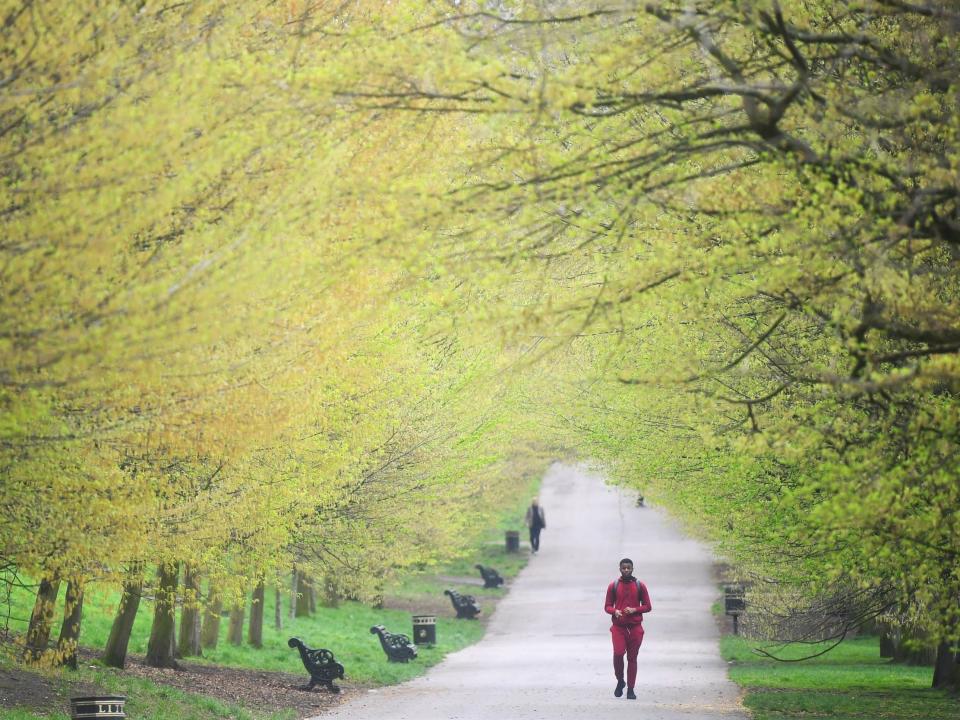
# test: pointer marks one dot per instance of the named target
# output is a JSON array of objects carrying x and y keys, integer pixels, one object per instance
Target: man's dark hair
[{"x": 626, "y": 560}]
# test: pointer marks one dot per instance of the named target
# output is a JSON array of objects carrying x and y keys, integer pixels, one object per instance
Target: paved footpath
[{"x": 547, "y": 653}]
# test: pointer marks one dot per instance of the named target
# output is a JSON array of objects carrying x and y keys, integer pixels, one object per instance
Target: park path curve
[{"x": 547, "y": 654}]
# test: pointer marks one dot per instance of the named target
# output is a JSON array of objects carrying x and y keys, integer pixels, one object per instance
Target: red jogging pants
[{"x": 626, "y": 639}]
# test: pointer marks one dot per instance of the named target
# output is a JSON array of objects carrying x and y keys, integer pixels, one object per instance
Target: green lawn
[
  {"x": 345, "y": 630},
  {"x": 851, "y": 682}
]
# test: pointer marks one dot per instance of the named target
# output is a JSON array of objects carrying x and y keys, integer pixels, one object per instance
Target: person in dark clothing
[
  {"x": 627, "y": 600},
  {"x": 536, "y": 520}
]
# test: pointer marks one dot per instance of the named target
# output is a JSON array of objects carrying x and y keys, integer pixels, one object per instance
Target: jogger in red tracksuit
[{"x": 627, "y": 600}]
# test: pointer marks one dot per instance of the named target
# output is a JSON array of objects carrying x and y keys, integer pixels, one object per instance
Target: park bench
[
  {"x": 397, "y": 646},
  {"x": 320, "y": 663},
  {"x": 465, "y": 605},
  {"x": 491, "y": 578}
]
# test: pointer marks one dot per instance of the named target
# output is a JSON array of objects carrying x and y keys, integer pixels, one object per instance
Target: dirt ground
[
  {"x": 19, "y": 688},
  {"x": 256, "y": 689}
]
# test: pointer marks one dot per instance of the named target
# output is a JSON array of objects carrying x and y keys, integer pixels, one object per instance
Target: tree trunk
[
  {"x": 312, "y": 596},
  {"x": 908, "y": 648},
  {"x": 294, "y": 584},
  {"x": 886, "y": 645},
  {"x": 115, "y": 654},
  {"x": 255, "y": 629},
  {"x": 303, "y": 596},
  {"x": 946, "y": 671},
  {"x": 278, "y": 610},
  {"x": 189, "y": 643},
  {"x": 926, "y": 656},
  {"x": 329, "y": 597},
  {"x": 162, "y": 645},
  {"x": 235, "y": 633},
  {"x": 210, "y": 634},
  {"x": 70, "y": 630},
  {"x": 38, "y": 633}
]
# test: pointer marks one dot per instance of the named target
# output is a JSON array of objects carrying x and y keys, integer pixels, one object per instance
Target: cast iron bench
[
  {"x": 465, "y": 605},
  {"x": 321, "y": 664},
  {"x": 397, "y": 646},
  {"x": 491, "y": 578}
]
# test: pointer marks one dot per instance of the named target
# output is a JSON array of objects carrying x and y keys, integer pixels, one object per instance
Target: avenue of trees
[
  {"x": 206, "y": 379},
  {"x": 275, "y": 272},
  {"x": 744, "y": 217}
]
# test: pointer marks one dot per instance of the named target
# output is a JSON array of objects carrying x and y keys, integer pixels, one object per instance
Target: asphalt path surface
[{"x": 547, "y": 651}]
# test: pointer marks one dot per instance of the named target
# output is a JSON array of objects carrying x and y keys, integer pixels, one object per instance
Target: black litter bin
[
  {"x": 424, "y": 629},
  {"x": 734, "y": 602},
  {"x": 97, "y": 706},
  {"x": 513, "y": 541}
]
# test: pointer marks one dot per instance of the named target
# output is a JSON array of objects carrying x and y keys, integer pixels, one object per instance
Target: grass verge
[
  {"x": 851, "y": 682},
  {"x": 344, "y": 629}
]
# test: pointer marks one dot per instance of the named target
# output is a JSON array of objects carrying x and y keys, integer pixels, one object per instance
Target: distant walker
[{"x": 536, "y": 520}]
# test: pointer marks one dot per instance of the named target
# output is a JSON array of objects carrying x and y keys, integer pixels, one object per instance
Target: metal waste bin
[
  {"x": 734, "y": 603},
  {"x": 97, "y": 706},
  {"x": 424, "y": 629},
  {"x": 513, "y": 541}
]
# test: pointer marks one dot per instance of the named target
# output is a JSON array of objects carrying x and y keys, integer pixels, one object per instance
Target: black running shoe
[
  {"x": 631, "y": 695},
  {"x": 618, "y": 691}
]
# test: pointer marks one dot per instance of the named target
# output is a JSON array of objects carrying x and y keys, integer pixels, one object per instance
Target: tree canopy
[
  {"x": 745, "y": 217},
  {"x": 271, "y": 271},
  {"x": 207, "y": 359}
]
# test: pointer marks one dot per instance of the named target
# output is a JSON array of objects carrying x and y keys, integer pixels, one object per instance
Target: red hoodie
[{"x": 629, "y": 594}]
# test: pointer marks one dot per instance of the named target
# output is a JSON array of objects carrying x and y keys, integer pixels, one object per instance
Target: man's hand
[
  {"x": 617, "y": 613},
  {"x": 629, "y": 611}
]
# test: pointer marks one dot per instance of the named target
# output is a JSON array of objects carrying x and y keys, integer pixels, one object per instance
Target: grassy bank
[
  {"x": 851, "y": 682},
  {"x": 344, "y": 629}
]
